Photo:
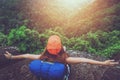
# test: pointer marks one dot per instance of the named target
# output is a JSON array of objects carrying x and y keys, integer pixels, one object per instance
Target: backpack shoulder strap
[{"x": 68, "y": 71}]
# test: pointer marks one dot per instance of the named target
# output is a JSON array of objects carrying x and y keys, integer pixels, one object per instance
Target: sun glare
[
  {"x": 57, "y": 11},
  {"x": 72, "y": 5}
]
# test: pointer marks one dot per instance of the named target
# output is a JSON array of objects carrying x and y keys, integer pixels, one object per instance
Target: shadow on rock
[
  {"x": 14, "y": 69},
  {"x": 113, "y": 72},
  {"x": 5, "y": 62}
]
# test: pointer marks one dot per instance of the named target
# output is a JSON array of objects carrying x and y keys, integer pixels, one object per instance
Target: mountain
[{"x": 100, "y": 15}]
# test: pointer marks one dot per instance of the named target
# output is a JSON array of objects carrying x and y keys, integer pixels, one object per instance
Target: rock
[
  {"x": 14, "y": 69},
  {"x": 19, "y": 70},
  {"x": 5, "y": 62},
  {"x": 86, "y": 71},
  {"x": 113, "y": 72}
]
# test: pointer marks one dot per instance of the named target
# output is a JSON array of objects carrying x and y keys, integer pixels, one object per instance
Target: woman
[{"x": 54, "y": 52}]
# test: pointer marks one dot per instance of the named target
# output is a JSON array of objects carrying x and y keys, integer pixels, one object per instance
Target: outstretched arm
[
  {"x": 74, "y": 60},
  {"x": 22, "y": 56}
]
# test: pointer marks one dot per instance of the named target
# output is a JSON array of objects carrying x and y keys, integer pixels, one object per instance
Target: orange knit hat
[{"x": 54, "y": 45}]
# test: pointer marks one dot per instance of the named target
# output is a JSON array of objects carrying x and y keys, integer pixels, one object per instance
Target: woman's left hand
[{"x": 110, "y": 62}]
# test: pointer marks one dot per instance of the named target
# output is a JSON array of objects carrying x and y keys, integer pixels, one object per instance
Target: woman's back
[{"x": 52, "y": 64}]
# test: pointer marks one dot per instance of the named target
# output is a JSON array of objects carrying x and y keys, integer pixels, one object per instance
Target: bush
[
  {"x": 109, "y": 51},
  {"x": 94, "y": 40},
  {"x": 112, "y": 44},
  {"x": 3, "y": 39},
  {"x": 77, "y": 44},
  {"x": 104, "y": 43},
  {"x": 25, "y": 39},
  {"x": 30, "y": 40},
  {"x": 100, "y": 42}
]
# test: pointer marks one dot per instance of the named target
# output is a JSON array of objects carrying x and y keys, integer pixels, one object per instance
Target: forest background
[{"x": 94, "y": 29}]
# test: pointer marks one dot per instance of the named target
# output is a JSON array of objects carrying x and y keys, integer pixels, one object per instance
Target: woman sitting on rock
[{"x": 53, "y": 63}]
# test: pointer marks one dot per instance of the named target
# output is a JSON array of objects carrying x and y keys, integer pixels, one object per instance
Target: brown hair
[{"x": 61, "y": 57}]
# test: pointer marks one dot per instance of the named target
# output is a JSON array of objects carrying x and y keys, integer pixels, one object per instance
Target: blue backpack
[{"x": 49, "y": 70}]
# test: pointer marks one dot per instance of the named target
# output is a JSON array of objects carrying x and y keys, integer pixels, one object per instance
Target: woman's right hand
[{"x": 8, "y": 55}]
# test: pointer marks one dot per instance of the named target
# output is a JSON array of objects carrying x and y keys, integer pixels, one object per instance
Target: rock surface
[
  {"x": 18, "y": 70},
  {"x": 113, "y": 72},
  {"x": 14, "y": 69},
  {"x": 86, "y": 71}
]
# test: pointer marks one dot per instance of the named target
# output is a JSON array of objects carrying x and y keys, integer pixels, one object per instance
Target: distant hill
[{"x": 100, "y": 15}]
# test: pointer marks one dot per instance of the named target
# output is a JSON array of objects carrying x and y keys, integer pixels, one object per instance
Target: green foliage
[
  {"x": 103, "y": 43},
  {"x": 99, "y": 42},
  {"x": 30, "y": 40},
  {"x": 77, "y": 44},
  {"x": 25, "y": 39},
  {"x": 112, "y": 44},
  {"x": 93, "y": 39},
  {"x": 3, "y": 39},
  {"x": 110, "y": 50}
]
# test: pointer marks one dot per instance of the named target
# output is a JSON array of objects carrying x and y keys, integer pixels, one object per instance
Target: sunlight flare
[
  {"x": 57, "y": 12},
  {"x": 73, "y": 4}
]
